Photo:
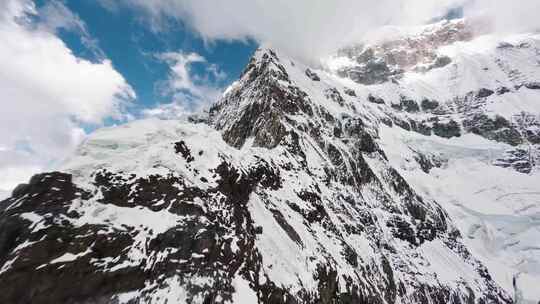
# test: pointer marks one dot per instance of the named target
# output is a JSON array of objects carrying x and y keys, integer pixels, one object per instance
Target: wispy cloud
[
  {"x": 55, "y": 16},
  {"x": 192, "y": 85},
  {"x": 311, "y": 28},
  {"x": 506, "y": 15},
  {"x": 47, "y": 91}
]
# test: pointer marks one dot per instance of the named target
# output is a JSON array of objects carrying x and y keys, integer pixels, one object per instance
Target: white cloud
[
  {"x": 46, "y": 91},
  {"x": 180, "y": 79},
  {"x": 190, "y": 90},
  {"x": 507, "y": 15},
  {"x": 173, "y": 110},
  {"x": 312, "y": 28}
]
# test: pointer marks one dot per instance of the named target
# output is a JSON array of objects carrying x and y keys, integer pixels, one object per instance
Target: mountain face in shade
[{"x": 304, "y": 185}]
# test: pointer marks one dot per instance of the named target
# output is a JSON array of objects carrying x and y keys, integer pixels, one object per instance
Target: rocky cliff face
[
  {"x": 417, "y": 51},
  {"x": 302, "y": 187}
]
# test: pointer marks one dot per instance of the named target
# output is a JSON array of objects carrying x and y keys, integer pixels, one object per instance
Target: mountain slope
[
  {"x": 486, "y": 101},
  {"x": 302, "y": 187}
]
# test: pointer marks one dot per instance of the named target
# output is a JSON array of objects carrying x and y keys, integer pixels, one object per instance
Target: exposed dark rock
[
  {"x": 402, "y": 230},
  {"x": 370, "y": 70},
  {"x": 533, "y": 85},
  {"x": 387, "y": 121},
  {"x": 269, "y": 130},
  {"x": 420, "y": 127},
  {"x": 448, "y": 130},
  {"x": 389, "y": 60},
  {"x": 355, "y": 130},
  {"x": 409, "y": 105},
  {"x": 350, "y": 92},
  {"x": 335, "y": 155},
  {"x": 82, "y": 281},
  {"x": 350, "y": 255},
  {"x": 312, "y": 75},
  {"x": 278, "y": 216},
  {"x": 428, "y": 161},
  {"x": 533, "y": 135},
  {"x": 396, "y": 106},
  {"x": 262, "y": 119},
  {"x": 387, "y": 269},
  {"x": 483, "y": 93},
  {"x": 181, "y": 147},
  {"x": 502, "y": 90},
  {"x": 376, "y": 100},
  {"x": 212, "y": 237},
  {"x": 528, "y": 125},
  {"x": 498, "y": 129},
  {"x": 505, "y": 45},
  {"x": 75, "y": 281},
  {"x": 309, "y": 196},
  {"x": 521, "y": 160},
  {"x": 334, "y": 95},
  {"x": 440, "y": 62},
  {"x": 402, "y": 123},
  {"x": 428, "y": 105}
]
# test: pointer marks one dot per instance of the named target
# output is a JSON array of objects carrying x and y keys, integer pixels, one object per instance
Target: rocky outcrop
[
  {"x": 497, "y": 128},
  {"x": 286, "y": 197},
  {"x": 261, "y": 119},
  {"x": 382, "y": 62},
  {"x": 522, "y": 160}
]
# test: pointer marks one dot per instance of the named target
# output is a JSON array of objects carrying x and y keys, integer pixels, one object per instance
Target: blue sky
[
  {"x": 131, "y": 44},
  {"x": 68, "y": 67}
]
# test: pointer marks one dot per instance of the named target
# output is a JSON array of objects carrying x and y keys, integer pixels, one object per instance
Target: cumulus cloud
[
  {"x": 48, "y": 92},
  {"x": 506, "y": 15},
  {"x": 311, "y": 28},
  {"x": 192, "y": 85}
]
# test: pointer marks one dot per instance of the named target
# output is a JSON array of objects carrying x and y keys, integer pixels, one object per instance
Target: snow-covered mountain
[{"x": 397, "y": 172}]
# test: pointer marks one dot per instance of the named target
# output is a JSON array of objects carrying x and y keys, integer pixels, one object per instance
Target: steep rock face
[
  {"x": 304, "y": 188},
  {"x": 488, "y": 88},
  {"x": 302, "y": 207},
  {"x": 255, "y": 106},
  {"x": 480, "y": 118},
  {"x": 381, "y": 62}
]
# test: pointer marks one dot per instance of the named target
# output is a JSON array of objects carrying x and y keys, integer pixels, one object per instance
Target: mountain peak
[{"x": 305, "y": 187}]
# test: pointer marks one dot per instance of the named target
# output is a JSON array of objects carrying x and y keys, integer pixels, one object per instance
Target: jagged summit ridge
[{"x": 303, "y": 188}]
